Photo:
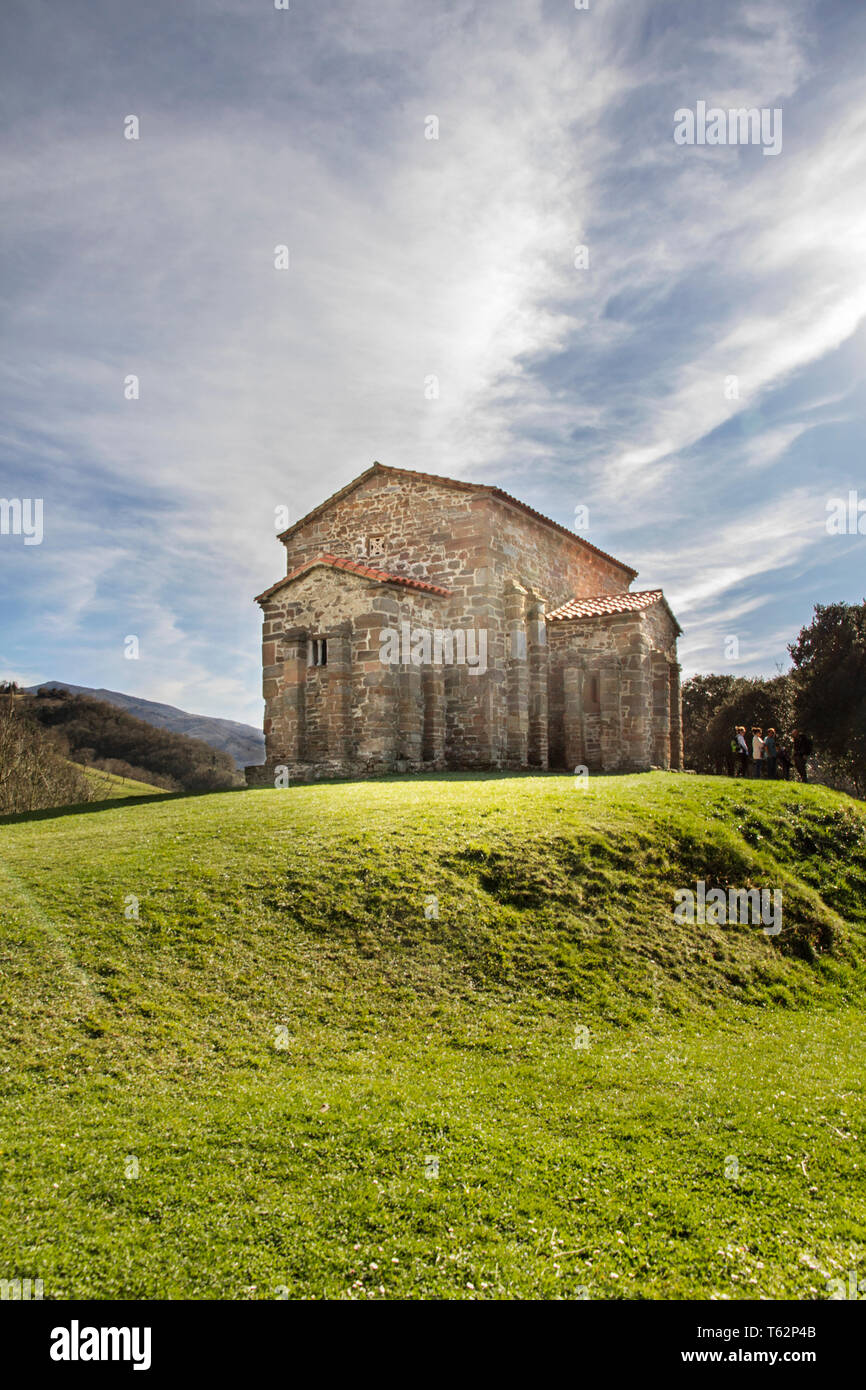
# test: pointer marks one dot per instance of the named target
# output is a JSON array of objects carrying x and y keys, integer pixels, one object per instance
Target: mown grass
[{"x": 325, "y": 1092}]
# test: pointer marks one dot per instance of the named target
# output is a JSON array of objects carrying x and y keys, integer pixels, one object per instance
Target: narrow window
[
  {"x": 318, "y": 651},
  {"x": 593, "y": 696}
]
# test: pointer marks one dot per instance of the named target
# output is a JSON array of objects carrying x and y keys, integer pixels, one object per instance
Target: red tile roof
[
  {"x": 481, "y": 488},
  {"x": 355, "y": 567},
  {"x": 601, "y": 604}
]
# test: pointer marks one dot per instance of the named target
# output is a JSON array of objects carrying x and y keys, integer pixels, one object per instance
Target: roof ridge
[
  {"x": 490, "y": 489},
  {"x": 325, "y": 557}
]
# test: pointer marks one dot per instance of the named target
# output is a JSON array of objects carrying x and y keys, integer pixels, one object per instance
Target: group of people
[{"x": 769, "y": 755}]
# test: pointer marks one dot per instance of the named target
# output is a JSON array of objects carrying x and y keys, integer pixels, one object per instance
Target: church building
[{"x": 425, "y": 623}]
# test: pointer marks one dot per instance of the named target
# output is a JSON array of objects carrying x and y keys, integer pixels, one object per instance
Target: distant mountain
[{"x": 242, "y": 742}]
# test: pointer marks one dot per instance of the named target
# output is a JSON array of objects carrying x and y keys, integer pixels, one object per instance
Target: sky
[{"x": 669, "y": 335}]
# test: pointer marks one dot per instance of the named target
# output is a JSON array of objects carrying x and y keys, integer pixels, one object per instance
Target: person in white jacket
[{"x": 757, "y": 752}]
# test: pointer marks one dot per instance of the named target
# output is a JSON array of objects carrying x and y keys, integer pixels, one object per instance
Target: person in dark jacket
[
  {"x": 802, "y": 746},
  {"x": 771, "y": 755},
  {"x": 784, "y": 758},
  {"x": 741, "y": 752}
]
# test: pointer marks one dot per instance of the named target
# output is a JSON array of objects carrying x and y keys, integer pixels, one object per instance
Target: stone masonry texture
[{"x": 425, "y": 623}]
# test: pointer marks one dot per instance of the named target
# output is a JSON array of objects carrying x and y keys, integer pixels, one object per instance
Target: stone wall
[
  {"x": 614, "y": 692},
  {"x": 473, "y": 544},
  {"x": 427, "y": 530},
  {"x": 436, "y": 532},
  {"x": 602, "y": 692},
  {"x": 532, "y": 568},
  {"x": 546, "y": 561},
  {"x": 356, "y": 715}
]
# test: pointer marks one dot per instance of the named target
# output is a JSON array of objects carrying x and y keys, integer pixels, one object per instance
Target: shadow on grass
[{"x": 84, "y": 808}]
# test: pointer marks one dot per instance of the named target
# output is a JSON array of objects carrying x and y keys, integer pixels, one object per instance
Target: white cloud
[{"x": 411, "y": 258}]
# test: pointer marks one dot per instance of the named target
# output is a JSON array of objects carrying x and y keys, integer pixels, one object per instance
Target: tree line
[
  {"x": 824, "y": 694},
  {"x": 47, "y": 739}
]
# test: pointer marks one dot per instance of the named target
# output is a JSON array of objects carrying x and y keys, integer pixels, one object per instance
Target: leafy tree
[
  {"x": 714, "y": 705},
  {"x": 34, "y": 771},
  {"x": 102, "y": 735},
  {"x": 829, "y": 659},
  {"x": 702, "y": 697},
  {"x": 767, "y": 703}
]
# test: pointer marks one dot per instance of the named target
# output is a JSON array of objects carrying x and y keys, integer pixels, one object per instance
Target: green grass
[
  {"x": 285, "y": 1046},
  {"x": 107, "y": 786}
]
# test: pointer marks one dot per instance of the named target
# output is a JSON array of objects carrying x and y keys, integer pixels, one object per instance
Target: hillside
[
  {"x": 244, "y": 744},
  {"x": 105, "y": 737},
  {"x": 107, "y": 786},
  {"x": 339, "y": 1050}
]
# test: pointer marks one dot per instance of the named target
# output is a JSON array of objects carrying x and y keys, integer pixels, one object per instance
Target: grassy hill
[
  {"x": 107, "y": 786},
  {"x": 104, "y": 736},
  {"x": 288, "y": 1074}
]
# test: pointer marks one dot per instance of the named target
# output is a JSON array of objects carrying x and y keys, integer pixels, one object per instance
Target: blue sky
[{"x": 609, "y": 386}]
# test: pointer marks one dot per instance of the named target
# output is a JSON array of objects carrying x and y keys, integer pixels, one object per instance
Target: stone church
[{"x": 426, "y": 623}]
